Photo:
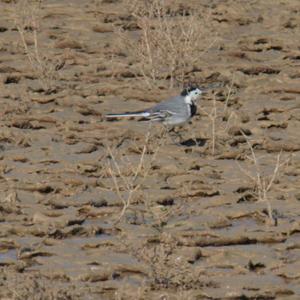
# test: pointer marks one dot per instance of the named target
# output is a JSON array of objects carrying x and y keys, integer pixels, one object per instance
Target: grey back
[{"x": 174, "y": 104}]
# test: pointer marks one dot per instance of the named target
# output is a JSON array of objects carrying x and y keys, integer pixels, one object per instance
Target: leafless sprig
[
  {"x": 132, "y": 183},
  {"x": 263, "y": 183},
  {"x": 27, "y": 21},
  {"x": 169, "y": 43},
  {"x": 218, "y": 115}
]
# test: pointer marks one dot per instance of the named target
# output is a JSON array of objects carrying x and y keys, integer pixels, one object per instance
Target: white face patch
[{"x": 194, "y": 94}]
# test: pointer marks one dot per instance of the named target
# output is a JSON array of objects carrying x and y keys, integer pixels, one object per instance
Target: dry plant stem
[
  {"x": 263, "y": 184},
  {"x": 169, "y": 43},
  {"x": 130, "y": 184},
  {"x": 213, "y": 125},
  {"x": 148, "y": 49},
  {"x": 232, "y": 113},
  {"x": 228, "y": 97},
  {"x": 218, "y": 114},
  {"x": 213, "y": 117},
  {"x": 35, "y": 60},
  {"x": 36, "y": 48},
  {"x": 26, "y": 17},
  {"x": 20, "y": 27}
]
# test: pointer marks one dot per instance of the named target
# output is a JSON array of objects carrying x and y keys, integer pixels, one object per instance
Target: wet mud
[{"x": 193, "y": 226}]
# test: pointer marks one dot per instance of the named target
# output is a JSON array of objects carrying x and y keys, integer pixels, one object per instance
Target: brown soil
[{"x": 194, "y": 228}]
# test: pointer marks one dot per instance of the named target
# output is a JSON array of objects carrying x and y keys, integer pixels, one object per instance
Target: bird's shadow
[{"x": 199, "y": 142}]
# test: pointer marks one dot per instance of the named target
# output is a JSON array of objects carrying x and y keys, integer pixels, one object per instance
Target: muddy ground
[{"x": 194, "y": 228}]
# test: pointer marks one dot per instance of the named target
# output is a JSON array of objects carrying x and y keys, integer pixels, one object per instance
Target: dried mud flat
[{"x": 194, "y": 228}]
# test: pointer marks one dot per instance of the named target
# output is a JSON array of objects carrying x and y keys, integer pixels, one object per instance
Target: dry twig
[
  {"x": 263, "y": 183},
  {"x": 26, "y": 19},
  {"x": 169, "y": 44},
  {"x": 130, "y": 183},
  {"x": 216, "y": 115}
]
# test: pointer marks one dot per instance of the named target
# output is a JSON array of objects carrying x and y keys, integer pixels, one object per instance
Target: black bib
[{"x": 193, "y": 109}]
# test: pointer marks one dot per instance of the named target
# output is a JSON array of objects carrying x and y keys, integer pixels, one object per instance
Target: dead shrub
[
  {"x": 221, "y": 117},
  {"x": 27, "y": 21},
  {"x": 169, "y": 42},
  {"x": 127, "y": 175},
  {"x": 263, "y": 182}
]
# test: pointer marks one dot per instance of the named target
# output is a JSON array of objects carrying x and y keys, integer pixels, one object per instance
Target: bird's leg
[{"x": 177, "y": 135}]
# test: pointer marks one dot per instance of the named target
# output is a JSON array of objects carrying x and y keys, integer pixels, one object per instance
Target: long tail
[{"x": 136, "y": 114}]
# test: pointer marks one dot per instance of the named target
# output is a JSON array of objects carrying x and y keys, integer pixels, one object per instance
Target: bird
[{"x": 174, "y": 111}]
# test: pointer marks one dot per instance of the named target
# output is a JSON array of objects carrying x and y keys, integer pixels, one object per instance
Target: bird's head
[{"x": 191, "y": 92}]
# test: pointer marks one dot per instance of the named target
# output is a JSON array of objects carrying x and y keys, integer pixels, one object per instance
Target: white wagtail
[{"x": 171, "y": 112}]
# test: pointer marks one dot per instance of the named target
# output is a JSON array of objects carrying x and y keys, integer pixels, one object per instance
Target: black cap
[{"x": 189, "y": 89}]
